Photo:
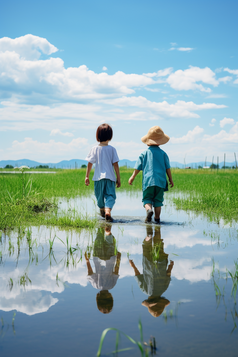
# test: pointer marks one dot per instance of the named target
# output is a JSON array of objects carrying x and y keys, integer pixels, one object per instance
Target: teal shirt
[{"x": 153, "y": 162}]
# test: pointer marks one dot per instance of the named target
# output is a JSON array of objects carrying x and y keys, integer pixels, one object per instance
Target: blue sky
[{"x": 67, "y": 66}]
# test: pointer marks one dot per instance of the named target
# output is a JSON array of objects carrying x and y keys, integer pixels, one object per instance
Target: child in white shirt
[{"x": 106, "y": 160}]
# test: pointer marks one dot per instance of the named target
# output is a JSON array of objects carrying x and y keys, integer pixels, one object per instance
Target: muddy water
[{"x": 55, "y": 300}]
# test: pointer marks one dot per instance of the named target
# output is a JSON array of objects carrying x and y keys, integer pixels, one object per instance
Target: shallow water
[{"x": 48, "y": 297}]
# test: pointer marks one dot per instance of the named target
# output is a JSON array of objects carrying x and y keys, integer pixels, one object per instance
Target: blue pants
[{"x": 105, "y": 192}]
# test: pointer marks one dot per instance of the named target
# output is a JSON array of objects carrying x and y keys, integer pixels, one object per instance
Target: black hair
[{"x": 104, "y": 133}]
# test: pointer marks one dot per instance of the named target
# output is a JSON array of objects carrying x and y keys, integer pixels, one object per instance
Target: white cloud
[
  {"x": 49, "y": 80},
  {"x": 28, "y": 46},
  {"x": 59, "y": 132},
  {"x": 193, "y": 270},
  {"x": 20, "y": 117},
  {"x": 181, "y": 49},
  {"x": 15, "y": 116},
  {"x": 129, "y": 150},
  {"x": 185, "y": 49},
  {"x": 217, "y": 96},
  {"x": 37, "y": 150},
  {"x": 225, "y": 79},
  {"x": 41, "y": 93},
  {"x": 205, "y": 145},
  {"x": 209, "y": 146},
  {"x": 36, "y": 302},
  {"x": 161, "y": 73},
  {"x": 154, "y": 90},
  {"x": 185, "y": 239},
  {"x": 50, "y": 83},
  {"x": 212, "y": 122},
  {"x": 23, "y": 73},
  {"x": 179, "y": 109},
  {"x": 83, "y": 83},
  {"x": 232, "y": 71},
  {"x": 226, "y": 121},
  {"x": 190, "y": 137},
  {"x": 187, "y": 79},
  {"x": 224, "y": 137},
  {"x": 104, "y": 68}
]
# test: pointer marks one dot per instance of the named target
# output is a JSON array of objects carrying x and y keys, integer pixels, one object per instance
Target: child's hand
[
  {"x": 87, "y": 182},
  {"x": 118, "y": 183},
  {"x": 131, "y": 179},
  {"x": 171, "y": 183},
  {"x": 170, "y": 267}
]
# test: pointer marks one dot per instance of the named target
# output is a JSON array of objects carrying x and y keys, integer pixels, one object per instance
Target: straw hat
[
  {"x": 155, "y": 136},
  {"x": 156, "y": 305}
]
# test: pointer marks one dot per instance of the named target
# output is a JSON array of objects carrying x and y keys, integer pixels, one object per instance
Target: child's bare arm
[
  {"x": 168, "y": 172},
  {"x": 117, "y": 266},
  {"x": 90, "y": 270},
  {"x": 170, "y": 267},
  {"x": 116, "y": 168},
  {"x": 132, "y": 264},
  {"x": 132, "y": 178},
  {"x": 89, "y": 168}
]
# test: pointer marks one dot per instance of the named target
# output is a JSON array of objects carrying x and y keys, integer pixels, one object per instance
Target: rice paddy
[
  {"x": 211, "y": 192},
  {"x": 51, "y": 242},
  {"x": 24, "y": 197}
]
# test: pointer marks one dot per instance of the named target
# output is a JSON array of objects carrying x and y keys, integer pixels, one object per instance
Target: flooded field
[{"x": 59, "y": 289}]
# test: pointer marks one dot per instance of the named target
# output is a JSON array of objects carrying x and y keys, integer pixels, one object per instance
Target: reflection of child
[
  {"x": 154, "y": 163},
  {"x": 155, "y": 279},
  {"x": 107, "y": 262},
  {"x": 105, "y": 158}
]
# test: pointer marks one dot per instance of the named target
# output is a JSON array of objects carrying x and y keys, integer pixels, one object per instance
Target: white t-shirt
[
  {"x": 103, "y": 156},
  {"x": 104, "y": 278}
]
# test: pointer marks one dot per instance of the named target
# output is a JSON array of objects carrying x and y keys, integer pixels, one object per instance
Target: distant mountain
[
  {"x": 76, "y": 163},
  {"x": 195, "y": 165},
  {"x": 65, "y": 164},
  {"x": 127, "y": 163}
]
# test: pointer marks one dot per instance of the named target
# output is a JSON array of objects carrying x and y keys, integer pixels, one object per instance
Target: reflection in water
[
  {"x": 44, "y": 278},
  {"x": 5, "y": 326},
  {"x": 106, "y": 260},
  {"x": 219, "y": 280},
  {"x": 156, "y": 275}
]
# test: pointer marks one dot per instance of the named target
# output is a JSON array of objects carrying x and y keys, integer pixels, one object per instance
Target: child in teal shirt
[{"x": 154, "y": 163}]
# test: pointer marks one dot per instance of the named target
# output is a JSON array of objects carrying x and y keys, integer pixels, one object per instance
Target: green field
[
  {"x": 214, "y": 193},
  {"x": 32, "y": 199}
]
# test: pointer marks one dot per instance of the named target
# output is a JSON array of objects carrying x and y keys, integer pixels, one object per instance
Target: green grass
[
  {"x": 214, "y": 193},
  {"x": 24, "y": 197},
  {"x": 65, "y": 183},
  {"x": 139, "y": 344}
]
